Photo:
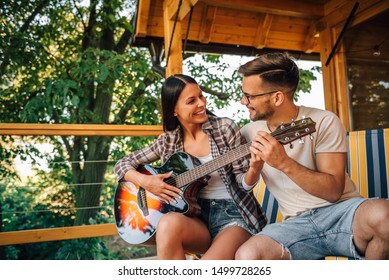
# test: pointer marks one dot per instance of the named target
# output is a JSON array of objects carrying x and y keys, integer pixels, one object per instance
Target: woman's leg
[
  {"x": 177, "y": 234},
  {"x": 226, "y": 243}
]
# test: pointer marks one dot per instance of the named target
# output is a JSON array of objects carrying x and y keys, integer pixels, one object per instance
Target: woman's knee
[{"x": 169, "y": 226}]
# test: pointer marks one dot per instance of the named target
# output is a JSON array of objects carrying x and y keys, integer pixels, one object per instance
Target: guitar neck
[
  {"x": 284, "y": 134},
  {"x": 213, "y": 165}
]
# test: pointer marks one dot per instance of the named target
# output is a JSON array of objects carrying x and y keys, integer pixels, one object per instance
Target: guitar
[{"x": 138, "y": 211}]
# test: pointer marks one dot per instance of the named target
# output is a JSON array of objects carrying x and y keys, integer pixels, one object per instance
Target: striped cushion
[
  {"x": 367, "y": 161},
  {"x": 268, "y": 202}
]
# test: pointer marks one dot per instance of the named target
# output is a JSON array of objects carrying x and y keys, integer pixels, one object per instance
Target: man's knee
[
  {"x": 377, "y": 214},
  {"x": 262, "y": 247},
  {"x": 252, "y": 249},
  {"x": 382, "y": 218},
  {"x": 247, "y": 252}
]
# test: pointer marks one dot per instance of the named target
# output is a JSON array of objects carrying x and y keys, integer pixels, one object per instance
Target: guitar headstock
[{"x": 287, "y": 133}]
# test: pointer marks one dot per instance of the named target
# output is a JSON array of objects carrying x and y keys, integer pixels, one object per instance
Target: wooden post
[{"x": 173, "y": 41}]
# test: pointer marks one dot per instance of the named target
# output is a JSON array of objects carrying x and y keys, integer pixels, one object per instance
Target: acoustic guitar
[{"x": 138, "y": 211}]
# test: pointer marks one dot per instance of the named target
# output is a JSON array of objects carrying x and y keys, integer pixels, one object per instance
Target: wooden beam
[
  {"x": 173, "y": 42},
  {"x": 172, "y": 6},
  {"x": 334, "y": 77},
  {"x": 54, "y": 234},
  {"x": 142, "y": 18},
  {"x": 207, "y": 20},
  {"x": 307, "y": 9},
  {"x": 342, "y": 99},
  {"x": 336, "y": 12},
  {"x": 263, "y": 29},
  {"x": 79, "y": 129},
  {"x": 311, "y": 39}
]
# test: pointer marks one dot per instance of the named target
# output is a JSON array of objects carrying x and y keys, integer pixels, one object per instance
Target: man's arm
[{"x": 327, "y": 182}]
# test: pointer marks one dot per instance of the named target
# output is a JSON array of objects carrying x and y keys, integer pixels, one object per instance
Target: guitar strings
[{"x": 173, "y": 180}]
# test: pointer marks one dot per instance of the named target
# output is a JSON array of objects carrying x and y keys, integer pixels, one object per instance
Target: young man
[{"x": 323, "y": 213}]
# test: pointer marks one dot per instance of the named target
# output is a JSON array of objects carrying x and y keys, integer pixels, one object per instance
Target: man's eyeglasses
[{"x": 248, "y": 97}]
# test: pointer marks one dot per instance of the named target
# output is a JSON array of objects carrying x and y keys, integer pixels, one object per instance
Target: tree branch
[
  {"x": 23, "y": 28},
  {"x": 130, "y": 101},
  {"x": 88, "y": 31},
  {"x": 123, "y": 42},
  {"x": 220, "y": 95}
]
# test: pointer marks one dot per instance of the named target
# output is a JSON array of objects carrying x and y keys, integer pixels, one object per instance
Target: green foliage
[{"x": 306, "y": 76}]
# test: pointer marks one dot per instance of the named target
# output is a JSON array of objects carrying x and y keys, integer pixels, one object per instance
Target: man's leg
[
  {"x": 371, "y": 229},
  {"x": 261, "y": 247}
]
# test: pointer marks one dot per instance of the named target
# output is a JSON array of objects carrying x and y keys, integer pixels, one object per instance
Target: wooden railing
[{"x": 65, "y": 233}]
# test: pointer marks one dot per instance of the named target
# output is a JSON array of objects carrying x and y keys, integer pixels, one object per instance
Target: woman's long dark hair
[{"x": 171, "y": 90}]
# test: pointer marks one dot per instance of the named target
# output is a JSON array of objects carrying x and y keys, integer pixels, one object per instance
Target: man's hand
[{"x": 265, "y": 147}]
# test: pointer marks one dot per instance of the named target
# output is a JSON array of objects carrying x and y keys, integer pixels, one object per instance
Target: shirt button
[{"x": 213, "y": 203}]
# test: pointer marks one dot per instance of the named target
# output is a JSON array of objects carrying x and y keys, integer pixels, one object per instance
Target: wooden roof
[{"x": 237, "y": 27}]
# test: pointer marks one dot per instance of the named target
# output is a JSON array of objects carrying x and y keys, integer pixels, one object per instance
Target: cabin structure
[{"x": 350, "y": 38}]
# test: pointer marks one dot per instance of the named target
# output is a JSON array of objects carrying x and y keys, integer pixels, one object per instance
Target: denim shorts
[
  {"x": 219, "y": 214},
  {"x": 317, "y": 233}
]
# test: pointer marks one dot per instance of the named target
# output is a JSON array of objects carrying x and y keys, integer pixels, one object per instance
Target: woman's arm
[{"x": 125, "y": 169}]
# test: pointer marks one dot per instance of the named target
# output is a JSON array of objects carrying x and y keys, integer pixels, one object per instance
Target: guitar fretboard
[
  {"x": 284, "y": 134},
  {"x": 210, "y": 166}
]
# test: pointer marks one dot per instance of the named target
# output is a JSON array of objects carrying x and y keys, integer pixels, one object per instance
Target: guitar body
[{"x": 137, "y": 211}]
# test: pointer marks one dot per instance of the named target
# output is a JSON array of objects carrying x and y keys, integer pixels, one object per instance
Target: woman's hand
[{"x": 157, "y": 186}]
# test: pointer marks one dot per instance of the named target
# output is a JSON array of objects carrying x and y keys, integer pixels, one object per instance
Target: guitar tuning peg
[
  {"x": 311, "y": 137},
  {"x": 292, "y": 123},
  {"x": 301, "y": 141},
  {"x": 282, "y": 126},
  {"x": 291, "y": 145},
  {"x": 302, "y": 117}
]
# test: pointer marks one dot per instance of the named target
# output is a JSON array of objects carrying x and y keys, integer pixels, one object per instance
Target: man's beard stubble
[{"x": 268, "y": 112}]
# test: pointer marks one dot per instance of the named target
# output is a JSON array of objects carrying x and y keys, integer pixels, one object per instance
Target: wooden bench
[{"x": 367, "y": 165}]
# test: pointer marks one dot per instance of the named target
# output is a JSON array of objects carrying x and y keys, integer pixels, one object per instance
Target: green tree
[
  {"x": 85, "y": 63},
  {"x": 72, "y": 62}
]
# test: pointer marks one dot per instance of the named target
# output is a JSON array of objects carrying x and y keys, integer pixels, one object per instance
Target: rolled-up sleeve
[
  {"x": 235, "y": 140},
  {"x": 146, "y": 155}
]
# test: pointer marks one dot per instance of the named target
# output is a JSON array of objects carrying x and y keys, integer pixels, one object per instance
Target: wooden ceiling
[
  {"x": 232, "y": 26},
  {"x": 308, "y": 29}
]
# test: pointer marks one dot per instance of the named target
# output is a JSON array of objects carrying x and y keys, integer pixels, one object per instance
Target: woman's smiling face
[{"x": 191, "y": 105}]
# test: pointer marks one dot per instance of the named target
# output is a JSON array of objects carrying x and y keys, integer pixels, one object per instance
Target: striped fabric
[
  {"x": 268, "y": 202},
  {"x": 368, "y": 161},
  {"x": 367, "y": 165}
]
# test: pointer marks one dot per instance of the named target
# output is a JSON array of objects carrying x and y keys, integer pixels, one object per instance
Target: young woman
[{"x": 229, "y": 213}]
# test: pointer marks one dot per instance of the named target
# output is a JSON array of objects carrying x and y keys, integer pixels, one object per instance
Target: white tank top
[{"x": 216, "y": 189}]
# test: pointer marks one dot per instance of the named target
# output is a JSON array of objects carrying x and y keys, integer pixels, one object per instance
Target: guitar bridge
[{"x": 142, "y": 202}]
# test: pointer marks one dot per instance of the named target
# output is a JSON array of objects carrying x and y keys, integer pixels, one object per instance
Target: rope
[{"x": 187, "y": 30}]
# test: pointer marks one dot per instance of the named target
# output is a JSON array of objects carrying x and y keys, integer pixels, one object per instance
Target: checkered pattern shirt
[{"x": 224, "y": 136}]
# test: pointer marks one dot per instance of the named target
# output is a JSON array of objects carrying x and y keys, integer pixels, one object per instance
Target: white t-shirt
[
  {"x": 330, "y": 136},
  {"x": 216, "y": 189}
]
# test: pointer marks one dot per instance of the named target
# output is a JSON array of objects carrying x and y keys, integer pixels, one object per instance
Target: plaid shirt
[{"x": 224, "y": 136}]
